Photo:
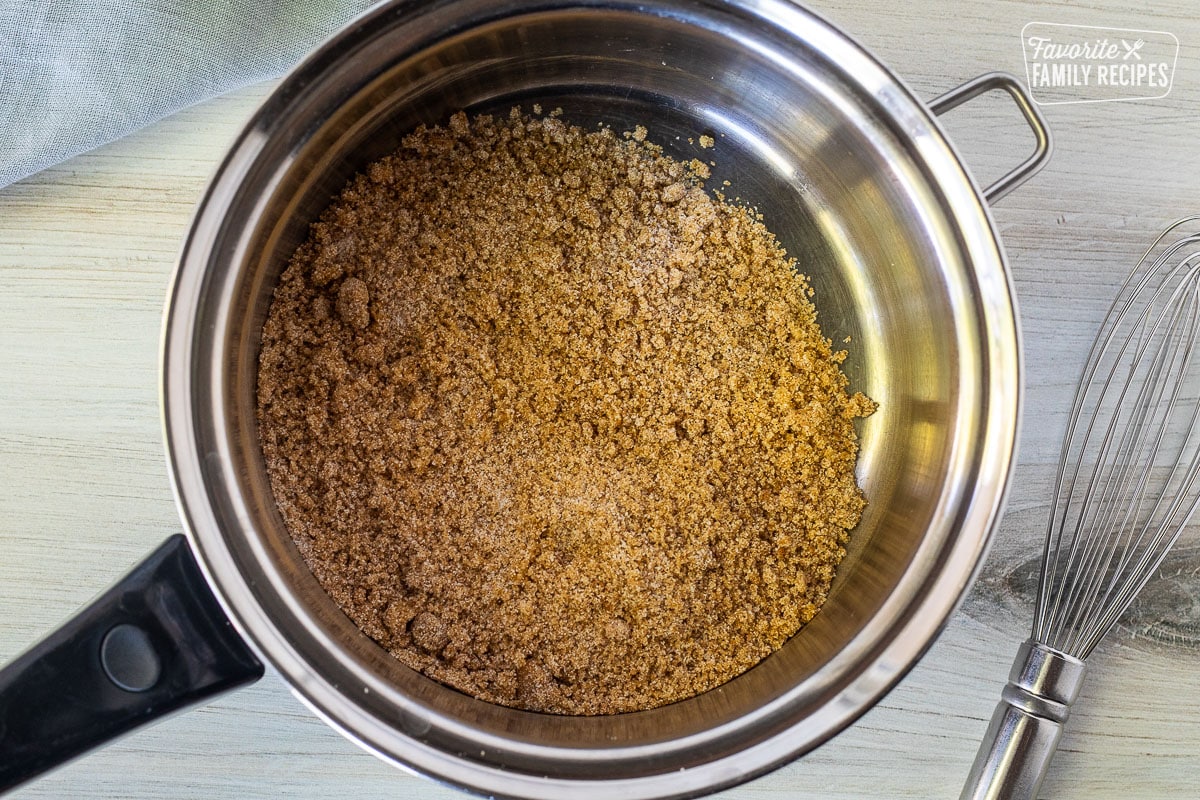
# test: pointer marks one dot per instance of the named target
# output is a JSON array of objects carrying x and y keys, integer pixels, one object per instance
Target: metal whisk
[{"x": 1127, "y": 486}]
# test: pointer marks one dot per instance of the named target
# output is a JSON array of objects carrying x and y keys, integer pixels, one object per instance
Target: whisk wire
[
  {"x": 1154, "y": 540},
  {"x": 1082, "y": 553},
  {"x": 1113, "y": 517},
  {"x": 1128, "y": 525},
  {"x": 1135, "y": 454},
  {"x": 1097, "y": 519},
  {"x": 1057, "y": 523}
]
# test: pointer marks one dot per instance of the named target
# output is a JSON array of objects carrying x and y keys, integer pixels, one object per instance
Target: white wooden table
[{"x": 86, "y": 250}]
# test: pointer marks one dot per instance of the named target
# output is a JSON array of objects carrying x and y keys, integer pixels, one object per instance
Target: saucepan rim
[{"x": 897, "y": 639}]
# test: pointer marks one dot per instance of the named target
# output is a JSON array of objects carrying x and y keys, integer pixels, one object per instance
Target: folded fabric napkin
[{"x": 75, "y": 74}]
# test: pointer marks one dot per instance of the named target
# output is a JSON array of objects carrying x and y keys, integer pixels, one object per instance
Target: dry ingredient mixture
[{"x": 553, "y": 425}]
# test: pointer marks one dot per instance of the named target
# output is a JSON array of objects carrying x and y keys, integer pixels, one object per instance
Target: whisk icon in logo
[{"x": 1090, "y": 64}]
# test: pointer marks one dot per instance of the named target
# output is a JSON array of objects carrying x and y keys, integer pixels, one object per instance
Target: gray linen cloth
[{"x": 75, "y": 74}]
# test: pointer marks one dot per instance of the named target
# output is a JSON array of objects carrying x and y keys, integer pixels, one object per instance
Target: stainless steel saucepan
[{"x": 849, "y": 169}]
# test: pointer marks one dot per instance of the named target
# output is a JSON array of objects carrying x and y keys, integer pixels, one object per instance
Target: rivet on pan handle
[{"x": 987, "y": 82}]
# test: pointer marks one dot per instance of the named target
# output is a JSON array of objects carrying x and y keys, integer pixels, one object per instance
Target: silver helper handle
[
  {"x": 988, "y": 82},
  {"x": 1025, "y": 728}
]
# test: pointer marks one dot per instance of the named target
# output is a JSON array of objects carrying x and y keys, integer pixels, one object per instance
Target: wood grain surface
[{"x": 86, "y": 251}]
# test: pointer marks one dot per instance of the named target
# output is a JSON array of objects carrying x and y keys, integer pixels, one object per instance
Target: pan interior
[{"x": 811, "y": 139}]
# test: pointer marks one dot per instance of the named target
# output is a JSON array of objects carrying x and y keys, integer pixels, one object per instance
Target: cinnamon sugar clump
[{"x": 553, "y": 425}]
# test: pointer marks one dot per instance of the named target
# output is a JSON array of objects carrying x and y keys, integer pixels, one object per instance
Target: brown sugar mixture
[{"x": 553, "y": 425}]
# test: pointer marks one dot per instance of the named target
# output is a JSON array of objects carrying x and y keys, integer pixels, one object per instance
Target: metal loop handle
[{"x": 988, "y": 82}]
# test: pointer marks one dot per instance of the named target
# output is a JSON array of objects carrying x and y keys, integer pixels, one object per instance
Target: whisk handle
[{"x": 1025, "y": 728}]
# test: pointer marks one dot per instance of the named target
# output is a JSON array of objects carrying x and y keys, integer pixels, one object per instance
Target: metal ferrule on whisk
[{"x": 1025, "y": 728}]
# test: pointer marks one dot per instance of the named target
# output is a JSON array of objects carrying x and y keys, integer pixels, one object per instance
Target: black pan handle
[{"x": 155, "y": 642}]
